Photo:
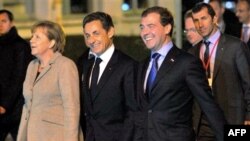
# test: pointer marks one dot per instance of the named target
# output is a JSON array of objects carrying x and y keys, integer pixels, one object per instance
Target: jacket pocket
[{"x": 53, "y": 119}]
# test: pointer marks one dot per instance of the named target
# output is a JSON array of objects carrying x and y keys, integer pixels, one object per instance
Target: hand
[
  {"x": 2, "y": 110},
  {"x": 247, "y": 122}
]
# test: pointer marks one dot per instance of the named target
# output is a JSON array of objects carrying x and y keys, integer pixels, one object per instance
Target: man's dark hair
[
  {"x": 10, "y": 15},
  {"x": 201, "y": 5},
  {"x": 105, "y": 19},
  {"x": 165, "y": 15}
]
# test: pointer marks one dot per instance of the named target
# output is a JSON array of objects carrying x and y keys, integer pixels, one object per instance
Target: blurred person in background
[
  {"x": 15, "y": 56},
  {"x": 243, "y": 14},
  {"x": 192, "y": 36},
  {"x": 227, "y": 22}
]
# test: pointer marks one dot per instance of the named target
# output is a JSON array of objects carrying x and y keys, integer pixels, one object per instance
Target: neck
[{"x": 44, "y": 59}]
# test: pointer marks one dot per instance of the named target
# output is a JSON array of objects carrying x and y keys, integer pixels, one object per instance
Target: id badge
[{"x": 210, "y": 82}]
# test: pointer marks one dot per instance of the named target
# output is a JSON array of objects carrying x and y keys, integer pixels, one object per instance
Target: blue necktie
[{"x": 153, "y": 72}]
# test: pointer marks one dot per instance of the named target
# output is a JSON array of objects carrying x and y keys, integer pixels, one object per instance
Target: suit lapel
[
  {"x": 110, "y": 68},
  {"x": 142, "y": 73},
  {"x": 42, "y": 73},
  {"x": 86, "y": 65},
  {"x": 219, "y": 54},
  {"x": 167, "y": 64},
  {"x": 47, "y": 68},
  {"x": 34, "y": 71}
]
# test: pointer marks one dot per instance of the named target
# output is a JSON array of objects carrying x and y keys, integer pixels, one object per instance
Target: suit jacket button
[{"x": 150, "y": 111}]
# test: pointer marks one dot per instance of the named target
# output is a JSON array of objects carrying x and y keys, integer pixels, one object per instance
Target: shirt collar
[
  {"x": 213, "y": 38},
  {"x": 106, "y": 55},
  {"x": 164, "y": 50},
  {"x": 246, "y": 25}
]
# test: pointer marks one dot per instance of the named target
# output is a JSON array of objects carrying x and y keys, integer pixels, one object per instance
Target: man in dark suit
[
  {"x": 243, "y": 14},
  {"x": 107, "y": 89},
  {"x": 15, "y": 56},
  {"x": 166, "y": 98},
  {"x": 226, "y": 20},
  {"x": 228, "y": 70}
]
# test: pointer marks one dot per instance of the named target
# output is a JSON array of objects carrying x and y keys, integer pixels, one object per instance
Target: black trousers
[
  {"x": 205, "y": 132},
  {"x": 9, "y": 124}
]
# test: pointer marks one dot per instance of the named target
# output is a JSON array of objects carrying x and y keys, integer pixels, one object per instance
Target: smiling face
[
  {"x": 5, "y": 24},
  {"x": 153, "y": 33},
  {"x": 40, "y": 44},
  {"x": 97, "y": 38}
]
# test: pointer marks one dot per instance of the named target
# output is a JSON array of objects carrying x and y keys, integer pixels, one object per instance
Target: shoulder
[
  {"x": 181, "y": 54},
  {"x": 231, "y": 43},
  {"x": 123, "y": 61},
  {"x": 230, "y": 39},
  {"x": 122, "y": 57},
  {"x": 64, "y": 61}
]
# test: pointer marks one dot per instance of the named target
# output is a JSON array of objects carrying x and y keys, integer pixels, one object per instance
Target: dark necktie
[
  {"x": 245, "y": 34},
  {"x": 153, "y": 72},
  {"x": 95, "y": 75},
  {"x": 206, "y": 57}
]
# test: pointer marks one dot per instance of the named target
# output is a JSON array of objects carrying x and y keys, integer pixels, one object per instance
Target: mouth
[
  {"x": 94, "y": 45},
  {"x": 33, "y": 46},
  {"x": 147, "y": 38},
  {"x": 202, "y": 30}
]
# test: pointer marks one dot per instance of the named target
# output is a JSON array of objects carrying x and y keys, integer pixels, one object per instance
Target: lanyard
[{"x": 205, "y": 65}]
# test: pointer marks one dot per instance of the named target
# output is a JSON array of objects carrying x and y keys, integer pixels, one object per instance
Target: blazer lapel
[
  {"x": 219, "y": 54},
  {"x": 86, "y": 65},
  {"x": 42, "y": 73},
  {"x": 110, "y": 68},
  {"x": 34, "y": 71},
  {"x": 167, "y": 64},
  {"x": 47, "y": 68},
  {"x": 142, "y": 75}
]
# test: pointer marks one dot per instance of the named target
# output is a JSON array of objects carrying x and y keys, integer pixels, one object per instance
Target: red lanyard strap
[{"x": 205, "y": 65}]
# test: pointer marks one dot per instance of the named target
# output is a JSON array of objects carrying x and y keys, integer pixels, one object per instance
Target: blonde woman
[{"x": 51, "y": 89}]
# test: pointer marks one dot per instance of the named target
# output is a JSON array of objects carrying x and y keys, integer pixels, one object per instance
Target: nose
[
  {"x": 144, "y": 31},
  {"x": 31, "y": 39},
  {"x": 91, "y": 40},
  {"x": 237, "y": 13}
]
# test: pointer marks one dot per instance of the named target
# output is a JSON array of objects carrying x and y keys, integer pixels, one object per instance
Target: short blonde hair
[{"x": 54, "y": 32}]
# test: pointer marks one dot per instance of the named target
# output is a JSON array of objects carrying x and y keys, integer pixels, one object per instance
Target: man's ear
[
  {"x": 215, "y": 20},
  {"x": 111, "y": 32},
  {"x": 167, "y": 29}
]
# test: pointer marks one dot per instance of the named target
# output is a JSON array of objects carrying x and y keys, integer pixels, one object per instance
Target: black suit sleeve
[
  {"x": 198, "y": 85},
  {"x": 242, "y": 60}
]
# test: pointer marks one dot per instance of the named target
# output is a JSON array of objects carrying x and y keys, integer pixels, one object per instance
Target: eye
[
  {"x": 86, "y": 36},
  {"x": 96, "y": 33},
  {"x": 151, "y": 26},
  {"x": 141, "y": 27}
]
